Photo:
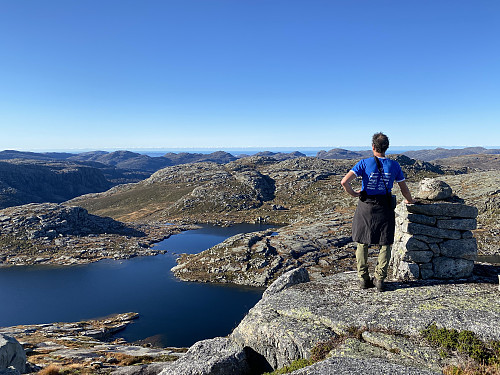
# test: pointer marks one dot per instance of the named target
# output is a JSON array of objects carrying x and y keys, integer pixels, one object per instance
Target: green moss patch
[
  {"x": 295, "y": 365},
  {"x": 463, "y": 342}
]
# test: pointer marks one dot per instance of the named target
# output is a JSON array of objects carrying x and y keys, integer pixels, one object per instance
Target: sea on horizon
[
  {"x": 308, "y": 151},
  {"x": 238, "y": 151}
]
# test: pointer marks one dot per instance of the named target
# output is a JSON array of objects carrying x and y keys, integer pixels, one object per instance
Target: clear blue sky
[{"x": 128, "y": 74}]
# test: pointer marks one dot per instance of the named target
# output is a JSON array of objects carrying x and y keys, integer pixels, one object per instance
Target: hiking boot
[
  {"x": 365, "y": 283},
  {"x": 379, "y": 284}
]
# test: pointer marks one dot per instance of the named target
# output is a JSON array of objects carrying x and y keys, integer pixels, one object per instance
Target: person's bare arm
[
  {"x": 406, "y": 192},
  {"x": 346, "y": 184}
]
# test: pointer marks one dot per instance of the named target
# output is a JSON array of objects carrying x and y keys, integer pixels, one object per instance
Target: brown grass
[
  {"x": 127, "y": 360},
  {"x": 123, "y": 359},
  {"x": 472, "y": 369},
  {"x": 50, "y": 370}
]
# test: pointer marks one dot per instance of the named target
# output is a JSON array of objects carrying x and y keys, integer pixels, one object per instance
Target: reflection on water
[{"x": 181, "y": 313}]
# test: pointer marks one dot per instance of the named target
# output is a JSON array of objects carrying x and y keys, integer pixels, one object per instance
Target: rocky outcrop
[
  {"x": 292, "y": 277},
  {"x": 416, "y": 168},
  {"x": 246, "y": 190},
  {"x": 53, "y": 220},
  {"x": 286, "y": 325},
  {"x": 60, "y": 234},
  {"x": 364, "y": 331},
  {"x": 218, "y": 356},
  {"x": 219, "y": 157},
  {"x": 11, "y": 354},
  {"x": 258, "y": 258}
]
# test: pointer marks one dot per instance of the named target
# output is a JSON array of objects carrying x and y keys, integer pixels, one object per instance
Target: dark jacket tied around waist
[{"x": 374, "y": 221}]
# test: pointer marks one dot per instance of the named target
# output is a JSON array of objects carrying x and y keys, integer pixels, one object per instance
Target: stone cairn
[{"x": 433, "y": 239}]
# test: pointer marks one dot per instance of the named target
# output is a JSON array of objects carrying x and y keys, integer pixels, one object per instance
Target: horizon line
[{"x": 240, "y": 148}]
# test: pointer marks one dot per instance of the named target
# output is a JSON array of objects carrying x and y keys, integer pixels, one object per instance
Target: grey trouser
[{"x": 384, "y": 258}]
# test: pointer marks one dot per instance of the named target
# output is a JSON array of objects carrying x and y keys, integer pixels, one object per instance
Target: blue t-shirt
[{"x": 371, "y": 180}]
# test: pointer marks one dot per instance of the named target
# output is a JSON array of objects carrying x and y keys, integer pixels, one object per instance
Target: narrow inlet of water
[{"x": 175, "y": 313}]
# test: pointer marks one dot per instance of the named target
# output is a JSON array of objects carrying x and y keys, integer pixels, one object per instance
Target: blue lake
[{"x": 175, "y": 313}]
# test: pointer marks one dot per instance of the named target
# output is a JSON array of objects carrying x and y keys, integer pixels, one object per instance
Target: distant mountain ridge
[
  {"x": 442, "y": 153},
  {"x": 219, "y": 157},
  {"x": 133, "y": 161},
  {"x": 278, "y": 155},
  {"x": 27, "y": 181},
  {"x": 340, "y": 153},
  {"x": 124, "y": 159},
  {"x": 424, "y": 155},
  {"x": 49, "y": 156}
]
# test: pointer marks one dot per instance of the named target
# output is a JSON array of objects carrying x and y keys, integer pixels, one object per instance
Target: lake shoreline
[
  {"x": 87, "y": 343},
  {"x": 55, "y": 234},
  {"x": 142, "y": 284}
]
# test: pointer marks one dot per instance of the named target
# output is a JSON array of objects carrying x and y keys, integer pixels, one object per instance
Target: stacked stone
[{"x": 433, "y": 240}]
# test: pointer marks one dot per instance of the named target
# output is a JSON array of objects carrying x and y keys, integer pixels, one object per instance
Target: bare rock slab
[
  {"x": 150, "y": 369},
  {"x": 285, "y": 326},
  {"x": 349, "y": 366}
]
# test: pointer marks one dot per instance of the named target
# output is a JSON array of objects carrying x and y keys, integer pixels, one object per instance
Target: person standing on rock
[{"x": 374, "y": 219}]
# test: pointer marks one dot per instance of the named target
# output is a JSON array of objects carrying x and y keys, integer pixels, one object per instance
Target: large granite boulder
[
  {"x": 11, "y": 354},
  {"x": 433, "y": 189},
  {"x": 218, "y": 356},
  {"x": 292, "y": 277}
]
